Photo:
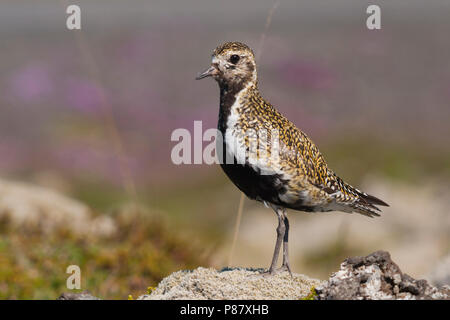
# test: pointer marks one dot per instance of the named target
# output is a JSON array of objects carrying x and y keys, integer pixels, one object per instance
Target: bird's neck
[{"x": 230, "y": 93}]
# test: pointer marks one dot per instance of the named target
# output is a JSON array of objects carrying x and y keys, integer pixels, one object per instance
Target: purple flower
[
  {"x": 31, "y": 83},
  {"x": 84, "y": 95}
]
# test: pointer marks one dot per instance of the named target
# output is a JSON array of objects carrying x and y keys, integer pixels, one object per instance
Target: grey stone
[
  {"x": 85, "y": 295},
  {"x": 376, "y": 277}
]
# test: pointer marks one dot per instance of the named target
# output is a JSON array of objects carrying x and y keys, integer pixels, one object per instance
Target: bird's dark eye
[{"x": 234, "y": 58}]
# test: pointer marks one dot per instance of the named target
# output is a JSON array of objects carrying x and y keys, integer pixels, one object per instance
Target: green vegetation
[{"x": 139, "y": 254}]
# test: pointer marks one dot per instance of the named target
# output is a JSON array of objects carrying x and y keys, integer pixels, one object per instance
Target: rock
[
  {"x": 376, "y": 277},
  {"x": 85, "y": 295},
  {"x": 29, "y": 206},
  {"x": 231, "y": 284}
]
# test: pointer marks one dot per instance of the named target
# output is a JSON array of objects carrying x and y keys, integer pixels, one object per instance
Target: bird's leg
[
  {"x": 286, "y": 265},
  {"x": 280, "y": 235}
]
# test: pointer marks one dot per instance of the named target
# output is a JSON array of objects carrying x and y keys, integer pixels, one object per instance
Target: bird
[{"x": 293, "y": 175}]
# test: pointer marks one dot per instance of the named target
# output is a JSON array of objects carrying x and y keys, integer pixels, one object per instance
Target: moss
[{"x": 312, "y": 295}]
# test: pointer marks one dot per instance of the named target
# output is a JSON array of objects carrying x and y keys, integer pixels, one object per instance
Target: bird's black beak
[{"x": 207, "y": 73}]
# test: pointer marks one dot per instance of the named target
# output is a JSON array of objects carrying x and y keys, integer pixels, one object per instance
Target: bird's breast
[{"x": 253, "y": 175}]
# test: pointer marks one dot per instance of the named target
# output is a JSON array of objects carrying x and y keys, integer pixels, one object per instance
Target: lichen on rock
[{"x": 231, "y": 284}]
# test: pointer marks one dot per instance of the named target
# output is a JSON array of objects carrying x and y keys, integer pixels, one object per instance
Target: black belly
[
  {"x": 255, "y": 185},
  {"x": 249, "y": 179},
  {"x": 266, "y": 188}
]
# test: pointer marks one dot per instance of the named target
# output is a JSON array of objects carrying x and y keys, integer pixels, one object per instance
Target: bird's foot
[
  {"x": 274, "y": 271},
  {"x": 285, "y": 267}
]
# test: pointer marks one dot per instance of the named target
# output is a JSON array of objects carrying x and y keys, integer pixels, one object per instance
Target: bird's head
[{"x": 233, "y": 64}]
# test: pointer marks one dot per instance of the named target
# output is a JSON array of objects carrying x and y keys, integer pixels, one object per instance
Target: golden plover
[{"x": 299, "y": 177}]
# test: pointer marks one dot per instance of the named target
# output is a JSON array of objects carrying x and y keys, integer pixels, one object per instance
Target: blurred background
[{"x": 86, "y": 116}]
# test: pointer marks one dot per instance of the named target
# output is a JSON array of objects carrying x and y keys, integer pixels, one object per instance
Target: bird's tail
[
  {"x": 366, "y": 204},
  {"x": 356, "y": 200}
]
